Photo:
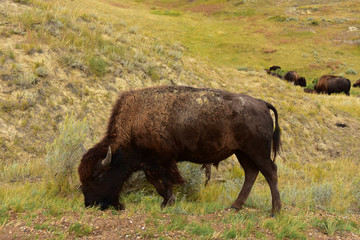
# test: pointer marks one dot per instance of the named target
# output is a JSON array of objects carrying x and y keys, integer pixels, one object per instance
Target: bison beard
[{"x": 152, "y": 129}]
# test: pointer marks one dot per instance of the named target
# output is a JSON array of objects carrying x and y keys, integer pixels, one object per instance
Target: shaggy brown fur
[
  {"x": 152, "y": 129},
  {"x": 295, "y": 78},
  {"x": 333, "y": 84}
]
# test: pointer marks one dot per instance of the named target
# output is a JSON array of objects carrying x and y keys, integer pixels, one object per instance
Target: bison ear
[{"x": 107, "y": 160}]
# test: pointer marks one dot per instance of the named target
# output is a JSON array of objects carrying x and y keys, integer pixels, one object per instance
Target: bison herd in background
[{"x": 326, "y": 84}]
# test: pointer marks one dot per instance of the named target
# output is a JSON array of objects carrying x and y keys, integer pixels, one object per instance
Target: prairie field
[{"x": 63, "y": 64}]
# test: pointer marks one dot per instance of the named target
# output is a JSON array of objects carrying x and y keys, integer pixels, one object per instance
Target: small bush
[
  {"x": 25, "y": 80},
  {"x": 176, "y": 55},
  {"x": 322, "y": 194},
  {"x": 278, "y": 18},
  {"x": 245, "y": 69},
  {"x": 153, "y": 74},
  {"x": 134, "y": 30},
  {"x": 41, "y": 71},
  {"x": 194, "y": 176},
  {"x": 351, "y": 71},
  {"x": 64, "y": 153},
  {"x": 80, "y": 229},
  {"x": 97, "y": 66},
  {"x": 158, "y": 48}
]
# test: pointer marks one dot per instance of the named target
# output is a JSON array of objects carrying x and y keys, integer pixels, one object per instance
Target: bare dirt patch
[
  {"x": 116, "y": 4},
  {"x": 127, "y": 225},
  {"x": 207, "y": 9}
]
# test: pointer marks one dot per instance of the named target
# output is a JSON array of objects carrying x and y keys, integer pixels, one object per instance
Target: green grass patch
[
  {"x": 80, "y": 229},
  {"x": 97, "y": 66},
  {"x": 202, "y": 229},
  {"x": 285, "y": 226},
  {"x": 166, "y": 13}
]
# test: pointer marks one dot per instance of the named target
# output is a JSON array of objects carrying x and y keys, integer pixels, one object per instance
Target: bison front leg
[
  {"x": 164, "y": 188},
  {"x": 169, "y": 200},
  {"x": 207, "y": 168}
]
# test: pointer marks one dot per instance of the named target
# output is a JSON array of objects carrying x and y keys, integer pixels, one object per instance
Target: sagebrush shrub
[
  {"x": 322, "y": 194},
  {"x": 63, "y": 155},
  {"x": 194, "y": 177}
]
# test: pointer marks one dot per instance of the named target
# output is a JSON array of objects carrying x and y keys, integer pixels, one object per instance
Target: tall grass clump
[
  {"x": 64, "y": 153},
  {"x": 286, "y": 227}
]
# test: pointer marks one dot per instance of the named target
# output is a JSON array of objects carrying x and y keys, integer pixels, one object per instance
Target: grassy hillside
[{"x": 62, "y": 64}]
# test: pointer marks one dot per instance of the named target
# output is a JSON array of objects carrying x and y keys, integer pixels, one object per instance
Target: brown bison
[
  {"x": 272, "y": 71},
  {"x": 333, "y": 84},
  {"x": 152, "y": 129},
  {"x": 295, "y": 78},
  {"x": 357, "y": 83}
]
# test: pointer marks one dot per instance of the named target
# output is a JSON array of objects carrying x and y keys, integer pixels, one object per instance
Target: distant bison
[
  {"x": 152, "y": 129},
  {"x": 357, "y": 83},
  {"x": 272, "y": 71},
  {"x": 274, "y": 68},
  {"x": 333, "y": 84},
  {"x": 295, "y": 78}
]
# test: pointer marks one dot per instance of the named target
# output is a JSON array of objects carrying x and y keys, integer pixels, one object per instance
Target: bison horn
[
  {"x": 83, "y": 148},
  {"x": 106, "y": 161}
]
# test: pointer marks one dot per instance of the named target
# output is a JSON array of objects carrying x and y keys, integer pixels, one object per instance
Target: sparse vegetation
[{"x": 63, "y": 154}]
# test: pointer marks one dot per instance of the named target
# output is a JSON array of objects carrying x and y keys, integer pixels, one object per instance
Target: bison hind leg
[{"x": 251, "y": 173}]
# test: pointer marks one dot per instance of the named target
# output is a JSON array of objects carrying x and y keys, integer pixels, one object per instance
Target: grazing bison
[
  {"x": 333, "y": 84},
  {"x": 357, "y": 83},
  {"x": 152, "y": 129},
  {"x": 295, "y": 78},
  {"x": 271, "y": 71},
  {"x": 274, "y": 68}
]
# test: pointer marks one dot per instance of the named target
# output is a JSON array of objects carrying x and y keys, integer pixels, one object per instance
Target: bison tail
[{"x": 276, "y": 144}]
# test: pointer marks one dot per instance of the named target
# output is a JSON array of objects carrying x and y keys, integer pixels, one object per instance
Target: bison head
[
  {"x": 302, "y": 82},
  {"x": 101, "y": 178}
]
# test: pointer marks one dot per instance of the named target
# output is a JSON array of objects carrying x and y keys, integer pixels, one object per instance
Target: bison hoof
[
  {"x": 169, "y": 202},
  {"x": 235, "y": 208},
  {"x": 120, "y": 206}
]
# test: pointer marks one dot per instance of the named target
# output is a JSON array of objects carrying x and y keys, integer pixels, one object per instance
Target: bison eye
[{"x": 99, "y": 178}]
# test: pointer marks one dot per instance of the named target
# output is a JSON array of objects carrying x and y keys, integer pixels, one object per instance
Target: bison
[
  {"x": 295, "y": 78},
  {"x": 272, "y": 71},
  {"x": 357, "y": 83},
  {"x": 152, "y": 129},
  {"x": 333, "y": 84}
]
